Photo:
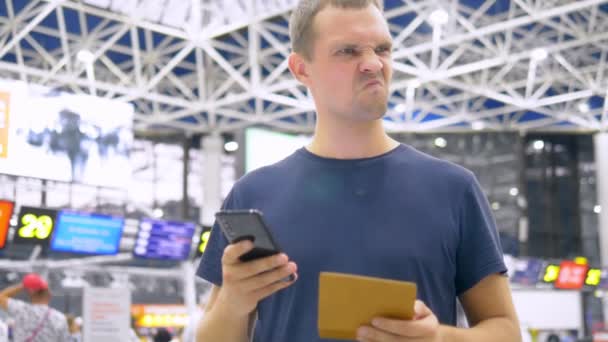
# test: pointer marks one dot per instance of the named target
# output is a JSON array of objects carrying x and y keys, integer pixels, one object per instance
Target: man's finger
[
  {"x": 397, "y": 327},
  {"x": 421, "y": 310},
  {"x": 264, "y": 279},
  {"x": 267, "y": 263},
  {"x": 272, "y": 288},
  {"x": 411, "y": 329},
  {"x": 367, "y": 333},
  {"x": 235, "y": 250}
]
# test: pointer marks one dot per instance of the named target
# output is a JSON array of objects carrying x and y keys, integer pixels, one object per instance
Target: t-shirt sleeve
[
  {"x": 16, "y": 308},
  {"x": 210, "y": 267},
  {"x": 479, "y": 251}
]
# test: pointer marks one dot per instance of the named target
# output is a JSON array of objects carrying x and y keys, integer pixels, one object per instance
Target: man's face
[{"x": 350, "y": 70}]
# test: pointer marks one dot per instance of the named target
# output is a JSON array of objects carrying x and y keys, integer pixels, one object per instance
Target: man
[
  {"x": 356, "y": 201},
  {"x": 36, "y": 322}
]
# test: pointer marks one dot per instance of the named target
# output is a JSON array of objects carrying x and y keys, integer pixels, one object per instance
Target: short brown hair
[{"x": 300, "y": 24}]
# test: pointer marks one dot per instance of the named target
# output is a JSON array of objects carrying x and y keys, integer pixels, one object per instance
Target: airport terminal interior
[{"x": 124, "y": 125}]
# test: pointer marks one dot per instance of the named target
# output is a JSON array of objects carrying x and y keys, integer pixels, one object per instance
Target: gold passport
[{"x": 348, "y": 301}]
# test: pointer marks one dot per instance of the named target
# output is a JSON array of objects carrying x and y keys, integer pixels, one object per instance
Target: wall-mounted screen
[
  {"x": 87, "y": 233},
  {"x": 527, "y": 271},
  {"x": 66, "y": 137},
  {"x": 159, "y": 239},
  {"x": 6, "y": 211},
  {"x": 34, "y": 226},
  {"x": 264, "y": 147}
]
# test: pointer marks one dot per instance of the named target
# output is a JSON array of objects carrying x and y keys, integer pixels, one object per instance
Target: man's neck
[{"x": 351, "y": 140}]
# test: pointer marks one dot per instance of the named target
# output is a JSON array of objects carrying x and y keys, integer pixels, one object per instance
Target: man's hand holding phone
[{"x": 245, "y": 283}]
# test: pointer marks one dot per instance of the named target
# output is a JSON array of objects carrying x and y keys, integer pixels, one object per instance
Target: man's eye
[
  {"x": 347, "y": 51},
  {"x": 383, "y": 50}
]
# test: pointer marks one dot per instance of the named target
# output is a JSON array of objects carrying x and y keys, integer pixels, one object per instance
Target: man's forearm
[
  {"x": 11, "y": 291},
  {"x": 494, "y": 329},
  {"x": 218, "y": 325}
]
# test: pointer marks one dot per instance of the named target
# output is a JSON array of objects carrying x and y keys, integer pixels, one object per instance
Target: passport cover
[{"x": 348, "y": 301}]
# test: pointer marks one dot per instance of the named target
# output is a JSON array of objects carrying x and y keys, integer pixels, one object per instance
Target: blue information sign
[
  {"x": 86, "y": 233},
  {"x": 169, "y": 240}
]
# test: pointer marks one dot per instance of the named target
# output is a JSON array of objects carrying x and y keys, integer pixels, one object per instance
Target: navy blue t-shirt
[{"x": 401, "y": 215}]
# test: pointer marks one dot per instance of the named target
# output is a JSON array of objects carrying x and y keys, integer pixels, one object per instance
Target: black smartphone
[{"x": 239, "y": 225}]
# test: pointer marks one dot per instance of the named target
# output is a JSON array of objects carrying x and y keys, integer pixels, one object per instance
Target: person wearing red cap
[{"x": 35, "y": 322}]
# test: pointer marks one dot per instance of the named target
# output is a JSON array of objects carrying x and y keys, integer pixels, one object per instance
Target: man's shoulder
[
  {"x": 20, "y": 309},
  {"x": 269, "y": 173},
  {"x": 428, "y": 165},
  {"x": 16, "y": 304}
]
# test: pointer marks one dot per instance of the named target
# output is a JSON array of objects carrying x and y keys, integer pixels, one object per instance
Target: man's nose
[{"x": 370, "y": 62}]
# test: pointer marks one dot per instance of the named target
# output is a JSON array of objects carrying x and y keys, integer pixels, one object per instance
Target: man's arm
[
  {"x": 214, "y": 323},
  {"x": 489, "y": 309},
  {"x": 490, "y": 312},
  {"x": 7, "y": 293},
  {"x": 232, "y": 307}
]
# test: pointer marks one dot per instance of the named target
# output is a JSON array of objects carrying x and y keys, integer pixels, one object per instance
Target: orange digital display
[
  {"x": 571, "y": 275},
  {"x": 160, "y": 315},
  {"x": 6, "y": 211}
]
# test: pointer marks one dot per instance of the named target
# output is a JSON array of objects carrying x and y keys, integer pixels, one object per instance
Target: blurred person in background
[
  {"x": 74, "y": 327},
  {"x": 162, "y": 335},
  {"x": 3, "y": 331},
  {"x": 133, "y": 336},
  {"x": 35, "y": 322}
]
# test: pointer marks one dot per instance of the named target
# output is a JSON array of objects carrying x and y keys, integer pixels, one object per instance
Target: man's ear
[{"x": 298, "y": 68}]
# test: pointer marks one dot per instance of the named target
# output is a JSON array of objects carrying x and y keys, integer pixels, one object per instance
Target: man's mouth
[{"x": 373, "y": 83}]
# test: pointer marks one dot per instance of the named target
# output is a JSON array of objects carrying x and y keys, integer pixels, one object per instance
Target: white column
[
  {"x": 212, "y": 190},
  {"x": 601, "y": 165},
  {"x": 189, "y": 286},
  {"x": 601, "y": 171}
]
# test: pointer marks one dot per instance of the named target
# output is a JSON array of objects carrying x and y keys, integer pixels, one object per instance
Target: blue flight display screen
[
  {"x": 86, "y": 233},
  {"x": 527, "y": 272},
  {"x": 159, "y": 239}
]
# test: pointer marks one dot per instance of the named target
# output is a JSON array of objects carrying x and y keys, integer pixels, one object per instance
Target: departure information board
[
  {"x": 159, "y": 239},
  {"x": 87, "y": 233}
]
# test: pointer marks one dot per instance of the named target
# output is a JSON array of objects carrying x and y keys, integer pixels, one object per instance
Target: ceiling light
[
  {"x": 478, "y": 125},
  {"x": 538, "y": 145},
  {"x": 495, "y": 205},
  {"x": 514, "y": 192},
  {"x": 583, "y": 107},
  {"x": 400, "y": 108},
  {"x": 597, "y": 209},
  {"x": 158, "y": 213},
  {"x": 539, "y": 54},
  {"x": 441, "y": 142},
  {"x": 231, "y": 146},
  {"x": 414, "y": 83},
  {"x": 85, "y": 56},
  {"x": 439, "y": 17}
]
